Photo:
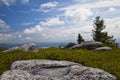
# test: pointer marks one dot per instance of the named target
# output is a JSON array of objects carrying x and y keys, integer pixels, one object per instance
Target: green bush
[{"x": 108, "y": 61}]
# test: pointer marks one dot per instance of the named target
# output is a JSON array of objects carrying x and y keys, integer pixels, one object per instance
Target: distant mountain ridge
[{"x": 37, "y": 45}]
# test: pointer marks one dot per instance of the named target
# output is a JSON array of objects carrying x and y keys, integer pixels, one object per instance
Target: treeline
[{"x": 99, "y": 35}]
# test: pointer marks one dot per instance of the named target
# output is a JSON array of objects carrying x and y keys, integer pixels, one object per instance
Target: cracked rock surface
[{"x": 53, "y": 70}]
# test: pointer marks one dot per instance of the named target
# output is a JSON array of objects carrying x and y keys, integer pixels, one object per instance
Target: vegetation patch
[{"x": 108, "y": 60}]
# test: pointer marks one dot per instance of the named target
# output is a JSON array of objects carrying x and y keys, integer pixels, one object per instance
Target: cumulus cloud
[
  {"x": 52, "y": 22},
  {"x": 48, "y": 23},
  {"x": 77, "y": 13},
  {"x": 15, "y": 37},
  {"x": 112, "y": 26},
  {"x": 61, "y": 33},
  {"x": 3, "y": 26},
  {"x": 4, "y": 37},
  {"x": 35, "y": 29}
]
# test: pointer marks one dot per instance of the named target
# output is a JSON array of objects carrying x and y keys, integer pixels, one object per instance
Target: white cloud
[
  {"x": 3, "y": 26},
  {"x": 15, "y": 37},
  {"x": 113, "y": 26},
  {"x": 52, "y": 22},
  {"x": 83, "y": 1},
  {"x": 19, "y": 36},
  {"x": 76, "y": 14},
  {"x": 111, "y": 9},
  {"x": 25, "y": 1},
  {"x": 27, "y": 23},
  {"x": 48, "y": 23},
  {"x": 46, "y": 7},
  {"x": 11, "y": 2},
  {"x": 99, "y": 4},
  {"x": 7, "y": 2},
  {"x": 49, "y": 4},
  {"x": 36, "y": 29},
  {"x": 84, "y": 9},
  {"x": 28, "y": 38},
  {"x": 62, "y": 33},
  {"x": 5, "y": 37}
]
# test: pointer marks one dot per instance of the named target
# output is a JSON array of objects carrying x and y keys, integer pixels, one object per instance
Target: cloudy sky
[{"x": 55, "y": 20}]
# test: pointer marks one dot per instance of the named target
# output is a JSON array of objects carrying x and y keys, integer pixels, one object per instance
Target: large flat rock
[{"x": 53, "y": 70}]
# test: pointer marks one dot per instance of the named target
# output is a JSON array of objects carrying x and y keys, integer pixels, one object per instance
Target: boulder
[
  {"x": 69, "y": 45},
  {"x": 90, "y": 45},
  {"x": 28, "y": 47},
  {"x": 25, "y": 47},
  {"x": 53, "y": 70},
  {"x": 11, "y": 49},
  {"x": 103, "y": 49},
  {"x": 61, "y": 46}
]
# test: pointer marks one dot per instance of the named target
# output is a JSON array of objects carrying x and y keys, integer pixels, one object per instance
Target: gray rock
[
  {"x": 69, "y": 45},
  {"x": 25, "y": 47},
  {"x": 53, "y": 70},
  {"x": 21, "y": 75},
  {"x": 36, "y": 64},
  {"x": 103, "y": 49},
  {"x": 11, "y": 49},
  {"x": 90, "y": 45},
  {"x": 61, "y": 46},
  {"x": 28, "y": 47},
  {"x": 44, "y": 47}
]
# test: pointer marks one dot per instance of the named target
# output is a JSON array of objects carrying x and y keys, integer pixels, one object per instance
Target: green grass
[{"x": 108, "y": 61}]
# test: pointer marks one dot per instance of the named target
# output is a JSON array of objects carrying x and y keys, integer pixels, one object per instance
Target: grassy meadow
[{"x": 108, "y": 61}]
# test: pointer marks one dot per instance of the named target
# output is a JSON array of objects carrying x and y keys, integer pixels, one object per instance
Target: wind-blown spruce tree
[
  {"x": 99, "y": 35},
  {"x": 80, "y": 39}
]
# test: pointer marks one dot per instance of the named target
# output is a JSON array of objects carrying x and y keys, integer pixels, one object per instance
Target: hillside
[{"x": 108, "y": 61}]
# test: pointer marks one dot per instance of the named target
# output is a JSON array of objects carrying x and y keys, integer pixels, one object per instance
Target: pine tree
[
  {"x": 80, "y": 39},
  {"x": 99, "y": 35}
]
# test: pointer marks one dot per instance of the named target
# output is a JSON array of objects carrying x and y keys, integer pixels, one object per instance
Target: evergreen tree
[
  {"x": 80, "y": 39},
  {"x": 99, "y": 35}
]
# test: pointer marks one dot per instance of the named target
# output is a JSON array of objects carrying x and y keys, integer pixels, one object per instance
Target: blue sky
[{"x": 55, "y": 20}]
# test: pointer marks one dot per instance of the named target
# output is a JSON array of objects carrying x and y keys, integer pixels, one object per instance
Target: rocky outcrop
[
  {"x": 90, "y": 45},
  {"x": 69, "y": 45},
  {"x": 11, "y": 49},
  {"x": 25, "y": 47},
  {"x": 53, "y": 70},
  {"x": 28, "y": 47},
  {"x": 103, "y": 49}
]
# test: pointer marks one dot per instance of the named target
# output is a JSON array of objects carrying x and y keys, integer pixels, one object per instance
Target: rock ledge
[{"x": 53, "y": 70}]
